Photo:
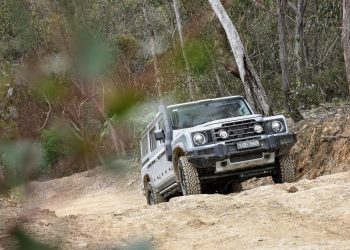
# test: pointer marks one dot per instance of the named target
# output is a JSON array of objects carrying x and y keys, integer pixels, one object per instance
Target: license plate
[{"x": 248, "y": 144}]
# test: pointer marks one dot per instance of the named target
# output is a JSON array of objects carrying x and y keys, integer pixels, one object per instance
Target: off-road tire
[
  {"x": 286, "y": 170},
  {"x": 189, "y": 178},
  {"x": 153, "y": 196}
]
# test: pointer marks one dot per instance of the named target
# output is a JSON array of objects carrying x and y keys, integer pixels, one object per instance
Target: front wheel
[
  {"x": 153, "y": 197},
  {"x": 189, "y": 178},
  {"x": 286, "y": 170}
]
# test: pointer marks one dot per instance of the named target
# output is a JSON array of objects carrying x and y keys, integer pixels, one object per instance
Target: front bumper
[{"x": 209, "y": 155}]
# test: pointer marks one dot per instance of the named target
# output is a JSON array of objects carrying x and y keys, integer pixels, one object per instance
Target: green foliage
[
  {"x": 119, "y": 102},
  {"x": 20, "y": 26},
  {"x": 197, "y": 52},
  {"x": 25, "y": 242},
  {"x": 128, "y": 45},
  {"x": 50, "y": 88},
  {"x": 53, "y": 147},
  {"x": 328, "y": 14},
  {"x": 8, "y": 110},
  {"x": 332, "y": 81},
  {"x": 305, "y": 96},
  {"x": 20, "y": 160},
  {"x": 94, "y": 57}
]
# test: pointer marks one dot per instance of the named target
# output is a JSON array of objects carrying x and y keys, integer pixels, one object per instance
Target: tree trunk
[
  {"x": 187, "y": 65},
  {"x": 299, "y": 38},
  {"x": 346, "y": 39},
  {"x": 254, "y": 90},
  {"x": 152, "y": 36},
  {"x": 294, "y": 113},
  {"x": 315, "y": 41}
]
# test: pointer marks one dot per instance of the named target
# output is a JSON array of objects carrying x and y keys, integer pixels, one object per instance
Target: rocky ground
[
  {"x": 99, "y": 209},
  {"x": 309, "y": 214}
]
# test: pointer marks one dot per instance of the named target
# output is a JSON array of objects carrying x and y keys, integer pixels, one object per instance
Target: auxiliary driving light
[
  {"x": 258, "y": 128},
  {"x": 223, "y": 134}
]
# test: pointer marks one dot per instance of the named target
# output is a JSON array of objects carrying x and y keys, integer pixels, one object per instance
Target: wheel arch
[
  {"x": 177, "y": 153},
  {"x": 146, "y": 179}
]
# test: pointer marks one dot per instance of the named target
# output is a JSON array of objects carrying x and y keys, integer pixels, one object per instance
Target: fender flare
[{"x": 177, "y": 153}]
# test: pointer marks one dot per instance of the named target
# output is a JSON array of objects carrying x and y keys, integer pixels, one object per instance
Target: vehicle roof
[{"x": 204, "y": 100}]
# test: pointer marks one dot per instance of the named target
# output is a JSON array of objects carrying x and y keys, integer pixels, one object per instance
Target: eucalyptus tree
[
  {"x": 299, "y": 37},
  {"x": 253, "y": 88},
  {"x": 293, "y": 111},
  {"x": 346, "y": 38},
  {"x": 152, "y": 37},
  {"x": 187, "y": 65}
]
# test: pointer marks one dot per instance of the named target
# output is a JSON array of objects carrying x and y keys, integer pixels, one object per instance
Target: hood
[{"x": 217, "y": 123}]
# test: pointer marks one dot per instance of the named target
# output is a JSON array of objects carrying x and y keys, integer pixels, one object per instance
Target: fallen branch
[
  {"x": 325, "y": 107},
  {"x": 47, "y": 114},
  {"x": 335, "y": 137}
]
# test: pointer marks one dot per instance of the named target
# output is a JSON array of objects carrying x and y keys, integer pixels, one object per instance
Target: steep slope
[{"x": 323, "y": 145}]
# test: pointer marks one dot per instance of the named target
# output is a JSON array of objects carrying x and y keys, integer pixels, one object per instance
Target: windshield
[{"x": 199, "y": 113}]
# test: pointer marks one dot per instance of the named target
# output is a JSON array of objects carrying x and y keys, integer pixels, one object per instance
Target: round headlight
[
  {"x": 199, "y": 138},
  {"x": 258, "y": 128},
  {"x": 277, "y": 126},
  {"x": 223, "y": 134}
]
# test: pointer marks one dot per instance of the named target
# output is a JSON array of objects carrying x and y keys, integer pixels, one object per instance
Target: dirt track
[{"x": 317, "y": 216}]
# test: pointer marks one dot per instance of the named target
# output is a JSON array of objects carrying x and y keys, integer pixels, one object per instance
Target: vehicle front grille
[{"x": 239, "y": 130}]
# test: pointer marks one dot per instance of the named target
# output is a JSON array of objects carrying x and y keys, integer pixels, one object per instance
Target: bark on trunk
[
  {"x": 299, "y": 39},
  {"x": 346, "y": 39},
  {"x": 294, "y": 113},
  {"x": 187, "y": 65},
  {"x": 254, "y": 90},
  {"x": 152, "y": 36},
  {"x": 315, "y": 41}
]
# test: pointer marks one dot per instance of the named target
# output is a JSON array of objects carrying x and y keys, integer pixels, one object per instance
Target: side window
[
  {"x": 152, "y": 139},
  {"x": 144, "y": 146}
]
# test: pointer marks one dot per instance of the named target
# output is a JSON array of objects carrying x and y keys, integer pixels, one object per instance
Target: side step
[{"x": 169, "y": 190}]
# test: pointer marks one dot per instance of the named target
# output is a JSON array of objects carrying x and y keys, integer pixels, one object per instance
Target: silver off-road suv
[{"x": 211, "y": 146}]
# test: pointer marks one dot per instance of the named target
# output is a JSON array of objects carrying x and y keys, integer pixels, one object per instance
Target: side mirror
[{"x": 159, "y": 134}]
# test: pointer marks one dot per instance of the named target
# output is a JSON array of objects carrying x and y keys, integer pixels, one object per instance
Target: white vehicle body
[{"x": 219, "y": 159}]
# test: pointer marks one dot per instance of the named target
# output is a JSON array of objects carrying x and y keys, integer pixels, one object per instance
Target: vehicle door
[{"x": 164, "y": 173}]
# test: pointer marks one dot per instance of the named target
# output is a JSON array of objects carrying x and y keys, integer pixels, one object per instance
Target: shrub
[{"x": 53, "y": 148}]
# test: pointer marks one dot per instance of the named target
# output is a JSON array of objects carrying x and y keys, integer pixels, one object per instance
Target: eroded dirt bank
[{"x": 323, "y": 145}]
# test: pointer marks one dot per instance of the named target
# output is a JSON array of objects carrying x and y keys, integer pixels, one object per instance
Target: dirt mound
[
  {"x": 323, "y": 145},
  {"x": 97, "y": 179},
  {"x": 310, "y": 214}
]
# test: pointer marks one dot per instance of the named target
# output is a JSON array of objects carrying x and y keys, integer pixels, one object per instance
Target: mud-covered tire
[
  {"x": 189, "y": 178},
  {"x": 153, "y": 196},
  {"x": 286, "y": 170}
]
